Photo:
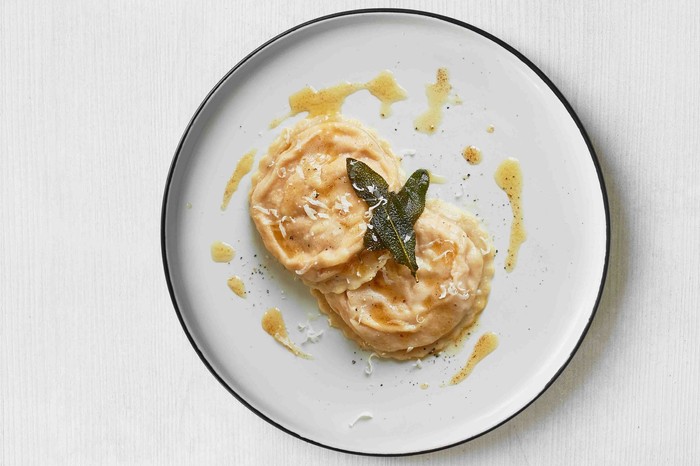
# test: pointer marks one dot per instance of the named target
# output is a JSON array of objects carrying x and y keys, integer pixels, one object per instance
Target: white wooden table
[{"x": 94, "y": 366}]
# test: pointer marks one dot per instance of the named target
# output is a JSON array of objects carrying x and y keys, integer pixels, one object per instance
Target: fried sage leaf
[
  {"x": 393, "y": 214},
  {"x": 412, "y": 195}
]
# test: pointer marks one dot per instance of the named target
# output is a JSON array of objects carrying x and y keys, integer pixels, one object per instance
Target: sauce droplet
[
  {"x": 385, "y": 88},
  {"x": 273, "y": 324},
  {"x": 330, "y": 100},
  {"x": 221, "y": 252},
  {"x": 242, "y": 168},
  {"x": 509, "y": 178},
  {"x": 485, "y": 346},
  {"x": 437, "y": 94},
  {"x": 490, "y": 129},
  {"x": 472, "y": 154},
  {"x": 236, "y": 285}
]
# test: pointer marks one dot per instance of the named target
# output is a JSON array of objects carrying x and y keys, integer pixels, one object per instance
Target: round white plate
[{"x": 540, "y": 311}]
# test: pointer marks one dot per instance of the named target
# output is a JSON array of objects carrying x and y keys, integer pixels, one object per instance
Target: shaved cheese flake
[
  {"x": 310, "y": 212},
  {"x": 281, "y": 172},
  {"x": 342, "y": 203},
  {"x": 364, "y": 415},
  {"x": 313, "y": 201},
  {"x": 369, "y": 369},
  {"x": 323, "y": 215},
  {"x": 299, "y": 172},
  {"x": 312, "y": 336},
  {"x": 280, "y": 223},
  {"x": 261, "y": 209},
  {"x": 453, "y": 290},
  {"x": 380, "y": 201},
  {"x": 418, "y": 364}
]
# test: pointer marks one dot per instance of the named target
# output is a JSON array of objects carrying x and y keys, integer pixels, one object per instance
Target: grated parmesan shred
[
  {"x": 380, "y": 201},
  {"x": 312, "y": 336},
  {"x": 315, "y": 202},
  {"x": 370, "y": 368},
  {"x": 342, "y": 203},
  {"x": 364, "y": 415},
  {"x": 453, "y": 290},
  {"x": 310, "y": 212}
]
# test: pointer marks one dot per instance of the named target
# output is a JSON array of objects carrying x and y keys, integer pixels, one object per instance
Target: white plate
[{"x": 540, "y": 311}]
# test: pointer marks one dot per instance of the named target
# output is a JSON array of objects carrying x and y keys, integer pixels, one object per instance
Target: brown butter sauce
[
  {"x": 509, "y": 178},
  {"x": 437, "y": 94},
  {"x": 487, "y": 343},
  {"x": 242, "y": 168},
  {"x": 329, "y": 101},
  {"x": 221, "y": 252},
  {"x": 236, "y": 285},
  {"x": 472, "y": 155},
  {"x": 273, "y": 324}
]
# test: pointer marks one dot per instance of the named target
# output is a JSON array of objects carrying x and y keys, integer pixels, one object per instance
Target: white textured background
[{"x": 94, "y": 366}]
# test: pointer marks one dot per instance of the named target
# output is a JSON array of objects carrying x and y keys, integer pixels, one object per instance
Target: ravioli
[
  {"x": 305, "y": 209},
  {"x": 401, "y": 317}
]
